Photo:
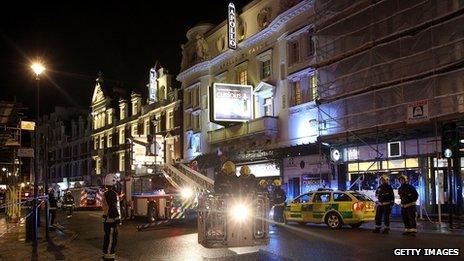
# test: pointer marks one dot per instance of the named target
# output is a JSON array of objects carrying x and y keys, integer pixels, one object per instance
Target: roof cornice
[{"x": 273, "y": 27}]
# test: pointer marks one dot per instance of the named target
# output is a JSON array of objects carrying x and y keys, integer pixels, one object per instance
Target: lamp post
[{"x": 38, "y": 69}]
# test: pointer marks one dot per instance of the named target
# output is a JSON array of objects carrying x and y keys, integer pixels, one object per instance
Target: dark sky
[{"x": 76, "y": 39}]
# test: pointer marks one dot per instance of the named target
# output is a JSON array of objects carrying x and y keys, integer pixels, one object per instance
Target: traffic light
[{"x": 449, "y": 140}]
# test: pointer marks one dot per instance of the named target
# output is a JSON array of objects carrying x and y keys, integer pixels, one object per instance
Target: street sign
[
  {"x": 26, "y": 152},
  {"x": 27, "y": 125}
]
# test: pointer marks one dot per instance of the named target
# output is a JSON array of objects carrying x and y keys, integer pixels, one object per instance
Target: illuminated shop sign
[
  {"x": 262, "y": 170},
  {"x": 232, "y": 102},
  {"x": 232, "y": 21}
]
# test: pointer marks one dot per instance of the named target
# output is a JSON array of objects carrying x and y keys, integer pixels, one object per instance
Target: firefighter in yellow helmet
[
  {"x": 385, "y": 200},
  {"x": 278, "y": 200},
  {"x": 226, "y": 179},
  {"x": 246, "y": 180},
  {"x": 262, "y": 186},
  {"x": 408, "y": 195}
]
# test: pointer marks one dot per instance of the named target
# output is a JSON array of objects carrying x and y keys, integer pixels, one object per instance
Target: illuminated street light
[
  {"x": 3, "y": 169},
  {"x": 38, "y": 68},
  {"x": 23, "y": 185}
]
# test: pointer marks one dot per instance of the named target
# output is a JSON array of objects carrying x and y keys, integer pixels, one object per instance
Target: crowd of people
[{"x": 227, "y": 182}]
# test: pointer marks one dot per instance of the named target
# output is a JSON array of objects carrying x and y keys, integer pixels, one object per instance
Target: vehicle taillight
[
  {"x": 175, "y": 210},
  {"x": 358, "y": 206}
]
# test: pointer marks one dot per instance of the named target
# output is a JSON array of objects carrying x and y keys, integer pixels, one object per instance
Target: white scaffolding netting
[{"x": 375, "y": 57}]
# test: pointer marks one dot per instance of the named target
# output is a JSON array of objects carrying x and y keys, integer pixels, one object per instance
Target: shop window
[
  {"x": 242, "y": 76},
  {"x": 265, "y": 68},
  {"x": 338, "y": 197},
  {"x": 321, "y": 197}
]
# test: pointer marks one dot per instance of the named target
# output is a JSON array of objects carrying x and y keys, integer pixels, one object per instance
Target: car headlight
[
  {"x": 240, "y": 212},
  {"x": 186, "y": 193}
]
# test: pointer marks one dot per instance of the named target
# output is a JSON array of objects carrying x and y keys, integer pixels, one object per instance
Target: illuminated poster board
[
  {"x": 262, "y": 170},
  {"x": 232, "y": 102}
]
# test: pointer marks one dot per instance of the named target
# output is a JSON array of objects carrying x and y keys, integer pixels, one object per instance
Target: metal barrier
[{"x": 233, "y": 221}]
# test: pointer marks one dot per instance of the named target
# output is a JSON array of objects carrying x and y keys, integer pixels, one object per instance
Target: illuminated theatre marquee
[{"x": 232, "y": 102}]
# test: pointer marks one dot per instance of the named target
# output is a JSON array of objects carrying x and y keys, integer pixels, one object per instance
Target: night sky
[{"x": 78, "y": 39}]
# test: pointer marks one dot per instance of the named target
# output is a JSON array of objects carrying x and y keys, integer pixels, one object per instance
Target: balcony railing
[{"x": 266, "y": 126}]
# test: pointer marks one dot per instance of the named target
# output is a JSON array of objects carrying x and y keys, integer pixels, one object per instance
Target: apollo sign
[{"x": 232, "y": 28}]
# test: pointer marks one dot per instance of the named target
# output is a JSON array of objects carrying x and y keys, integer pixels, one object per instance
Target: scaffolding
[{"x": 374, "y": 58}]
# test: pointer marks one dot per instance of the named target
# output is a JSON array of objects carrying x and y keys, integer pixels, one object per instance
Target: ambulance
[{"x": 334, "y": 208}]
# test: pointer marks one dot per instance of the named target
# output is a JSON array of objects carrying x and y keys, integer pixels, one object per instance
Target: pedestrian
[
  {"x": 278, "y": 199},
  {"x": 385, "y": 201},
  {"x": 52, "y": 206},
  {"x": 111, "y": 217},
  {"x": 246, "y": 180},
  {"x": 408, "y": 196}
]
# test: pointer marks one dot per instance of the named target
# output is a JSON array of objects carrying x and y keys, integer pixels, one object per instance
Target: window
[
  {"x": 296, "y": 93},
  {"x": 322, "y": 197},
  {"x": 188, "y": 100},
  {"x": 188, "y": 120},
  {"x": 361, "y": 197},
  {"x": 196, "y": 122},
  {"x": 147, "y": 127},
  {"x": 122, "y": 112},
  {"x": 121, "y": 136},
  {"x": 110, "y": 116},
  {"x": 121, "y": 162},
  {"x": 341, "y": 197},
  {"x": 243, "y": 77},
  {"x": 102, "y": 142},
  {"x": 195, "y": 97},
  {"x": 134, "y": 130},
  {"x": 170, "y": 120},
  {"x": 268, "y": 107},
  {"x": 134, "y": 108},
  {"x": 98, "y": 165},
  {"x": 158, "y": 125},
  {"x": 310, "y": 42},
  {"x": 313, "y": 87},
  {"x": 110, "y": 140},
  {"x": 95, "y": 143},
  {"x": 303, "y": 198},
  {"x": 266, "y": 69},
  {"x": 294, "y": 52},
  {"x": 394, "y": 149}
]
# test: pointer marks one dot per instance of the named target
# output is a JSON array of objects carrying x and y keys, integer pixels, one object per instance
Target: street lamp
[{"x": 38, "y": 68}]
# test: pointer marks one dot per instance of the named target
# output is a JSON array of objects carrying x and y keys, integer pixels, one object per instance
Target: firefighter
[
  {"x": 385, "y": 196},
  {"x": 68, "y": 203},
  {"x": 53, "y": 205},
  {"x": 409, "y": 196},
  {"x": 278, "y": 199},
  {"x": 262, "y": 186},
  {"x": 111, "y": 217},
  {"x": 246, "y": 180},
  {"x": 226, "y": 179}
]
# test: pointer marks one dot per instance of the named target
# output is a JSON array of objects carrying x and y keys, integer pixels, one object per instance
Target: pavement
[{"x": 80, "y": 238}]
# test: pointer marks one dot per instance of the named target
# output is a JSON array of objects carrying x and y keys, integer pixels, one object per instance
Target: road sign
[
  {"x": 26, "y": 152},
  {"x": 27, "y": 125}
]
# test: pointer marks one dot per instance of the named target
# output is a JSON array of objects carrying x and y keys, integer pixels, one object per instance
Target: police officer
[
  {"x": 409, "y": 196},
  {"x": 278, "y": 199},
  {"x": 111, "y": 217},
  {"x": 68, "y": 201},
  {"x": 226, "y": 180},
  {"x": 385, "y": 196},
  {"x": 246, "y": 180}
]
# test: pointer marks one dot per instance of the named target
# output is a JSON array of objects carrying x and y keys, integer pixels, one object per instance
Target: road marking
[{"x": 93, "y": 214}]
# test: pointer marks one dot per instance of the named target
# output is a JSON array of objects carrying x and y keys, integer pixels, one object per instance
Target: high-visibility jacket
[{"x": 110, "y": 205}]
